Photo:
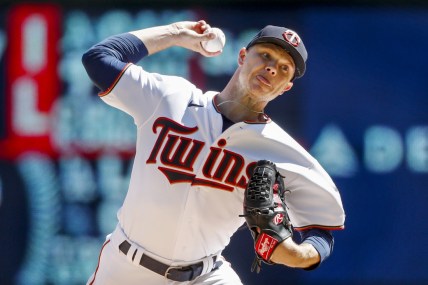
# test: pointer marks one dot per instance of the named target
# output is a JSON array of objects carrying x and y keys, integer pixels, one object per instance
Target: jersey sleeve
[
  {"x": 312, "y": 198},
  {"x": 140, "y": 93},
  {"x": 124, "y": 85}
]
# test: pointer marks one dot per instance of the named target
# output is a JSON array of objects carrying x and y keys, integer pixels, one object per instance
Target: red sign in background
[{"x": 32, "y": 83}]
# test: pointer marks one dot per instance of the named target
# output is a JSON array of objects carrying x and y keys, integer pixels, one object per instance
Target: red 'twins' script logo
[{"x": 178, "y": 153}]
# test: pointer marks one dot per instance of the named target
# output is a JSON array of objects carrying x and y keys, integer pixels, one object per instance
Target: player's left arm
[
  {"x": 316, "y": 246},
  {"x": 267, "y": 217}
]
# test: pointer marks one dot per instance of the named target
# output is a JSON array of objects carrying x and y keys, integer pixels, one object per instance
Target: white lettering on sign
[
  {"x": 27, "y": 120},
  {"x": 417, "y": 148},
  {"x": 34, "y": 41},
  {"x": 383, "y": 149}
]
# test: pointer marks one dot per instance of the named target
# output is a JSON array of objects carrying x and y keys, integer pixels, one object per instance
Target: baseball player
[{"x": 195, "y": 154}]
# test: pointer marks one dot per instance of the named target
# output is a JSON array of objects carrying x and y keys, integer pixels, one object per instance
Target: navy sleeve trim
[
  {"x": 105, "y": 61},
  {"x": 323, "y": 242}
]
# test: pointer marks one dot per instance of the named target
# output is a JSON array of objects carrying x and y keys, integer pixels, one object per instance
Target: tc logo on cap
[{"x": 291, "y": 37}]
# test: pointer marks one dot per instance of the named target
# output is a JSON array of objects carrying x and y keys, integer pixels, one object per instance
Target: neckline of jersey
[{"x": 268, "y": 119}]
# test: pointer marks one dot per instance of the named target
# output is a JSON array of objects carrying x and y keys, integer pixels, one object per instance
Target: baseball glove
[{"x": 265, "y": 211}]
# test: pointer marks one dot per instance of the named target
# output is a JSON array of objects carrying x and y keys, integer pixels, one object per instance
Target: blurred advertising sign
[{"x": 32, "y": 83}]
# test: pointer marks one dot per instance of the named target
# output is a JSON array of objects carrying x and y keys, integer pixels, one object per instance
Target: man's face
[{"x": 266, "y": 70}]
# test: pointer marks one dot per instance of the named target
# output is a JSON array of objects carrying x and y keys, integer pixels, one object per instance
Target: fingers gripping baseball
[
  {"x": 265, "y": 211},
  {"x": 195, "y": 35},
  {"x": 215, "y": 44}
]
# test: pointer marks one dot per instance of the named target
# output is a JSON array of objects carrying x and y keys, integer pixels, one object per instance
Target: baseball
[{"x": 215, "y": 44}]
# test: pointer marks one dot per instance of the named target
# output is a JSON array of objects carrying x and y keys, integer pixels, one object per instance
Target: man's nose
[{"x": 271, "y": 70}]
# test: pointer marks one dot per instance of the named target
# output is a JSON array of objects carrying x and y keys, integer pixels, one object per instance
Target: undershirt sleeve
[
  {"x": 322, "y": 240},
  {"x": 105, "y": 61}
]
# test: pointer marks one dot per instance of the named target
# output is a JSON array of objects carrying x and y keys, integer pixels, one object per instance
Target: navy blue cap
[{"x": 287, "y": 39}]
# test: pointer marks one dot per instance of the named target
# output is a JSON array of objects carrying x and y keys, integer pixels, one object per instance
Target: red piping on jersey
[
  {"x": 98, "y": 265},
  {"x": 104, "y": 93},
  {"x": 328, "y": 228},
  {"x": 268, "y": 119}
]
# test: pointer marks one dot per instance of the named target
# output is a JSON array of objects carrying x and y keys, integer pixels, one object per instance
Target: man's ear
[
  {"x": 242, "y": 55},
  {"x": 288, "y": 87}
]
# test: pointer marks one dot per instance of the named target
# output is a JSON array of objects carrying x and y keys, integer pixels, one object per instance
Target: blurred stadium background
[{"x": 361, "y": 109}]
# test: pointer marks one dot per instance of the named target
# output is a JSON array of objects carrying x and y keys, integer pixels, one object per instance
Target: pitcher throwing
[{"x": 196, "y": 152}]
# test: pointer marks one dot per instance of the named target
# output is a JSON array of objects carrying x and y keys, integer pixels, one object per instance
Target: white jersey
[{"x": 188, "y": 179}]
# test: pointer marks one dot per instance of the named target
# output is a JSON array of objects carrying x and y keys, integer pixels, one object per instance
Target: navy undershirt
[
  {"x": 226, "y": 123},
  {"x": 105, "y": 61}
]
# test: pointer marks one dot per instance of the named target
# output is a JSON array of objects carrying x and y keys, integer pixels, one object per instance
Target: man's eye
[
  {"x": 265, "y": 55},
  {"x": 284, "y": 68}
]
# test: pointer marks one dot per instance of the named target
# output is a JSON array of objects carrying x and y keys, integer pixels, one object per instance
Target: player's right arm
[
  {"x": 105, "y": 61},
  {"x": 185, "y": 34}
]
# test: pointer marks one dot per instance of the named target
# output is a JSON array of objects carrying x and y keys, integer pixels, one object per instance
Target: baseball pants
[{"x": 115, "y": 267}]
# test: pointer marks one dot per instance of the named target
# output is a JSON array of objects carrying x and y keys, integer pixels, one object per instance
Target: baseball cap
[{"x": 287, "y": 39}]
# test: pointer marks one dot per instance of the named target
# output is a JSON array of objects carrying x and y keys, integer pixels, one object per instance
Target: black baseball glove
[{"x": 265, "y": 211}]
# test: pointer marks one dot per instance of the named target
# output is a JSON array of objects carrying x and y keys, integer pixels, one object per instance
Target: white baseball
[{"x": 215, "y": 44}]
